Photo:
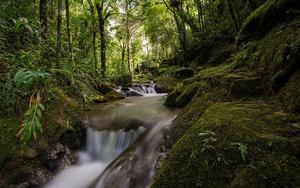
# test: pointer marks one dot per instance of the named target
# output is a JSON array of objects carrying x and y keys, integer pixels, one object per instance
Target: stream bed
[{"x": 123, "y": 143}]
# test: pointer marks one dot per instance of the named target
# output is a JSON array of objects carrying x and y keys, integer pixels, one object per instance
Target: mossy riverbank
[{"x": 240, "y": 125}]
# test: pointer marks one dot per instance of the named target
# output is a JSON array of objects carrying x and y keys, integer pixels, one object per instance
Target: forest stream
[{"x": 123, "y": 143}]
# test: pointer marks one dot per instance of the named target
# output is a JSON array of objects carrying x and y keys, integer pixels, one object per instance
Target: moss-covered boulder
[
  {"x": 183, "y": 94},
  {"x": 290, "y": 94},
  {"x": 264, "y": 18},
  {"x": 114, "y": 95},
  {"x": 104, "y": 87},
  {"x": 189, "y": 92},
  {"x": 165, "y": 84},
  {"x": 171, "y": 98},
  {"x": 220, "y": 55},
  {"x": 234, "y": 144},
  {"x": 202, "y": 100},
  {"x": 259, "y": 67}
]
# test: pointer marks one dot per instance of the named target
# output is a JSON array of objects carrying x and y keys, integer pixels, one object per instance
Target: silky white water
[
  {"x": 112, "y": 129},
  {"x": 102, "y": 148}
]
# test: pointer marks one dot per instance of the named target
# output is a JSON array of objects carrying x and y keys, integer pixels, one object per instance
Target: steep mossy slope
[
  {"x": 237, "y": 144},
  {"x": 240, "y": 124}
]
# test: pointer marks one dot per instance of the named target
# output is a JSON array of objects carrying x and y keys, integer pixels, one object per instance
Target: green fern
[
  {"x": 26, "y": 78},
  {"x": 32, "y": 82},
  {"x": 32, "y": 122}
]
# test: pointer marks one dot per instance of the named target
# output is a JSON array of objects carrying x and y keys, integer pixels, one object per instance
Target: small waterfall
[
  {"x": 138, "y": 90},
  {"x": 144, "y": 88},
  {"x": 113, "y": 127},
  {"x": 102, "y": 148},
  {"x": 107, "y": 145}
]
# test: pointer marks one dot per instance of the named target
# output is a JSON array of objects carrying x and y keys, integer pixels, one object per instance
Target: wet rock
[
  {"x": 59, "y": 157},
  {"x": 130, "y": 93},
  {"x": 114, "y": 95},
  {"x": 31, "y": 153},
  {"x": 75, "y": 138},
  {"x": 54, "y": 153},
  {"x": 104, "y": 88},
  {"x": 39, "y": 177}
]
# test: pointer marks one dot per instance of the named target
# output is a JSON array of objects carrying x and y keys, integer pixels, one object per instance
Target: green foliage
[
  {"x": 208, "y": 140},
  {"x": 32, "y": 124},
  {"x": 242, "y": 148},
  {"x": 28, "y": 78}
]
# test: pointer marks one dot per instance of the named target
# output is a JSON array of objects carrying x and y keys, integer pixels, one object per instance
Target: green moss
[
  {"x": 219, "y": 56},
  {"x": 186, "y": 96},
  {"x": 10, "y": 147},
  {"x": 264, "y": 18},
  {"x": 203, "y": 99},
  {"x": 171, "y": 98},
  {"x": 183, "y": 72},
  {"x": 98, "y": 98},
  {"x": 165, "y": 84},
  {"x": 114, "y": 95},
  {"x": 189, "y": 92},
  {"x": 290, "y": 94},
  {"x": 255, "y": 69},
  {"x": 208, "y": 154}
]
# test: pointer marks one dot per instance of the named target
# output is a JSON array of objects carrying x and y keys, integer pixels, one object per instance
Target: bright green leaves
[
  {"x": 32, "y": 82},
  {"x": 27, "y": 78},
  {"x": 32, "y": 124}
]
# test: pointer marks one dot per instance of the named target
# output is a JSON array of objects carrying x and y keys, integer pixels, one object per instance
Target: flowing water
[{"x": 123, "y": 143}]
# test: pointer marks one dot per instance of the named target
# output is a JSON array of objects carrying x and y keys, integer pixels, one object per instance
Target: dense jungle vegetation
[{"x": 233, "y": 67}]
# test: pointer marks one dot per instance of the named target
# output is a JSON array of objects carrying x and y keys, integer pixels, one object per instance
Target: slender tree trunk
[
  {"x": 69, "y": 30},
  {"x": 128, "y": 37},
  {"x": 59, "y": 22},
  {"x": 43, "y": 19},
  {"x": 102, "y": 37},
  {"x": 123, "y": 55},
  {"x": 233, "y": 14},
  {"x": 200, "y": 14},
  {"x": 181, "y": 32},
  {"x": 44, "y": 28},
  {"x": 92, "y": 10}
]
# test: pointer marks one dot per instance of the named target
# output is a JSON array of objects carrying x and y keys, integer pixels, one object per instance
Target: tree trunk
[
  {"x": 99, "y": 7},
  {"x": 92, "y": 10},
  {"x": 69, "y": 30},
  {"x": 200, "y": 14},
  {"x": 123, "y": 46},
  {"x": 181, "y": 32},
  {"x": 43, "y": 19},
  {"x": 233, "y": 14},
  {"x": 59, "y": 21},
  {"x": 128, "y": 37}
]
